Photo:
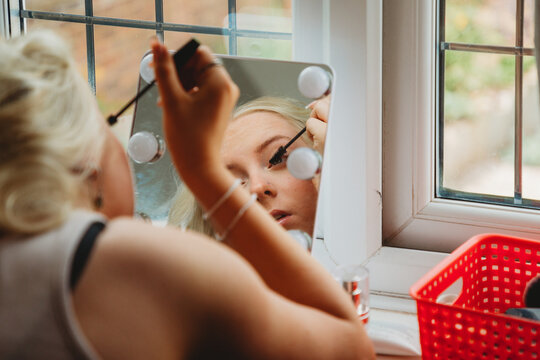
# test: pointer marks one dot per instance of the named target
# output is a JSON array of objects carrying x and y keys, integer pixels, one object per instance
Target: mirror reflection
[{"x": 272, "y": 109}]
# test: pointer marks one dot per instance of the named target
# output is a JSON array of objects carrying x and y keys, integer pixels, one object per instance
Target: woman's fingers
[
  {"x": 317, "y": 123},
  {"x": 166, "y": 75},
  {"x": 320, "y": 109},
  {"x": 316, "y": 129},
  {"x": 197, "y": 102},
  {"x": 209, "y": 74}
]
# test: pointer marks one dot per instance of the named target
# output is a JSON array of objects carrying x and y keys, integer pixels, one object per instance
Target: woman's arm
[
  {"x": 194, "y": 122},
  {"x": 160, "y": 293}
]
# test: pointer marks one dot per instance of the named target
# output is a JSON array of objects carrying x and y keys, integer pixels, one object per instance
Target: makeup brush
[
  {"x": 180, "y": 58},
  {"x": 314, "y": 83}
]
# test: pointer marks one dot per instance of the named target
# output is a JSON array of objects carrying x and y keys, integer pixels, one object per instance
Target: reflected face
[{"x": 249, "y": 143}]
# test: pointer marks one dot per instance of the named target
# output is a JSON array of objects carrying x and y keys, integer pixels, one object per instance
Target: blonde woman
[
  {"x": 82, "y": 279},
  {"x": 258, "y": 129}
]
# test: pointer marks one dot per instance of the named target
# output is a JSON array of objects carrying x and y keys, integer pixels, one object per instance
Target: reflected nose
[{"x": 262, "y": 187}]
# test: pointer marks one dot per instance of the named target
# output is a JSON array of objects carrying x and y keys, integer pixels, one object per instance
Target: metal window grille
[
  {"x": 519, "y": 52},
  {"x": 18, "y": 15}
]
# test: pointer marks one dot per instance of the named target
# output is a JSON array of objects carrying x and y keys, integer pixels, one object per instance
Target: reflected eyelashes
[
  {"x": 274, "y": 161},
  {"x": 277, "y": 158},
  {"x": 245, "y": 179}
]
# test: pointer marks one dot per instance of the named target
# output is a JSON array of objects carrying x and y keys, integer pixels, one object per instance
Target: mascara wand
[
  {"x": 113, "y": 119},
  {"x": 277, "y": 158},
  {"x": 180, "y": 58}
]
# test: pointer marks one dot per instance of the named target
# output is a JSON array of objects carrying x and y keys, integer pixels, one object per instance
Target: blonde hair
[
  {"x": 50, "y": 135},
  {"x": 185, "y": 210}
]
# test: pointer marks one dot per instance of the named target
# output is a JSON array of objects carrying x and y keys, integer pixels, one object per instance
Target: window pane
[
  {"x": 74, "y": 34},
  {"x": 200, "y": 12},
  {"x": 218, "y": 43},
  {"x": 265, "y": 48},
  {"x": 487, "y": 22},
  {"x": 118, "y": 55},
  {"x": 264, "y": 15},
  {"x": 479, "y": 123},
  {"x": 125, "y": 9},
  {"x": 63, "y": 6},
  {"x": 528, "y": 26},
  {"x": 531, "y": 131}
]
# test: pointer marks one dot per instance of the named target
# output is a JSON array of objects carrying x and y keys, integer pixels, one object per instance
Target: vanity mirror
[{"x": 266, "y": 87}]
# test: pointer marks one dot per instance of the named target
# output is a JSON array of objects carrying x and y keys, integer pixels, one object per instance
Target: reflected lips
[{"x": 280, "y": 216}]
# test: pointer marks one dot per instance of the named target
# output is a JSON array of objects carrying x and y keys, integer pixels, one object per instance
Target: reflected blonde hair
[
  {"x": 50, "y": 137},
  {"x": 185, "y": 210}
]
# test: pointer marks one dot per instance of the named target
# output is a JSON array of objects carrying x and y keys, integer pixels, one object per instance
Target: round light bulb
[
  {"x": 147, "y": 73},
  {"x": 144, "y": 147},
  {"x": 302, "y": 238},
  {"x": 314, "y": 82},
  {"x": 304, "y": 163}
]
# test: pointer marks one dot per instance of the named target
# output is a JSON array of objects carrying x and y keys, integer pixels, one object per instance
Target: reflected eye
[
  {"x": 277, "y": 160},
  {"x": 244, "y": 182},
  {"x": 283, "y": 160}
]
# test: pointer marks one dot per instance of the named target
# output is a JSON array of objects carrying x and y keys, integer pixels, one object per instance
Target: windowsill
[
  {"x": 392, "y": 271},
  {"x": 394, "y": 334}
]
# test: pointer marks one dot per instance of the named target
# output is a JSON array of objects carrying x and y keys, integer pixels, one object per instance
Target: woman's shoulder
[
  {"x": 132, "y": 242},
  {"x": 183, "y": 259},
  {"x": 154, "y": 280},
  {"x": 131, "y": 270},
  {"x": 129, "y": 231}
]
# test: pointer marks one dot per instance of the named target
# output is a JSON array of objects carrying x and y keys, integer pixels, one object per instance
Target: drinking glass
[{"x": 355, "y": 280}]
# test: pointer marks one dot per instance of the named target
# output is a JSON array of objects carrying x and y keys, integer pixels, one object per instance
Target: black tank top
[{"x": 83, "y": 252}]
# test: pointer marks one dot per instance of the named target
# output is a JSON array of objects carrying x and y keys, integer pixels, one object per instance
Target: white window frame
[
  {"x": 352, "y": 215},
  {"x": 337, "y": 33}
]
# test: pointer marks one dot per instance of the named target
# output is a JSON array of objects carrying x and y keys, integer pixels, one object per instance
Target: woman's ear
[{"x": 94, "y": 188}]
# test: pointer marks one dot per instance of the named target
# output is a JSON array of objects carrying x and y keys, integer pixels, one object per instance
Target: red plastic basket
[{"x": 494, "y": 270}]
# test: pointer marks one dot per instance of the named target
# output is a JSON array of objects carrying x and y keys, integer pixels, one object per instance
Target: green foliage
[{"x": 467, "y": 73}]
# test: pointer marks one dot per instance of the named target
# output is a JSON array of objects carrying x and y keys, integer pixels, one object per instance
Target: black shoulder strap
[{"x": 82, "y": 254}]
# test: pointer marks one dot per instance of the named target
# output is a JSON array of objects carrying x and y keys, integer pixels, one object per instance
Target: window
[
  {"x": 488, "y": 113},
  {"x": 419, "y": 227},
  {"x": 109, "y": 38}
]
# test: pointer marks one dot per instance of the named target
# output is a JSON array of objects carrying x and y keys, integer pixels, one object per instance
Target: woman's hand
[
  {"x": 317, "y": 123},
  {"x": 194, "y": 119},
  {"x": 316, "y": 127}
]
